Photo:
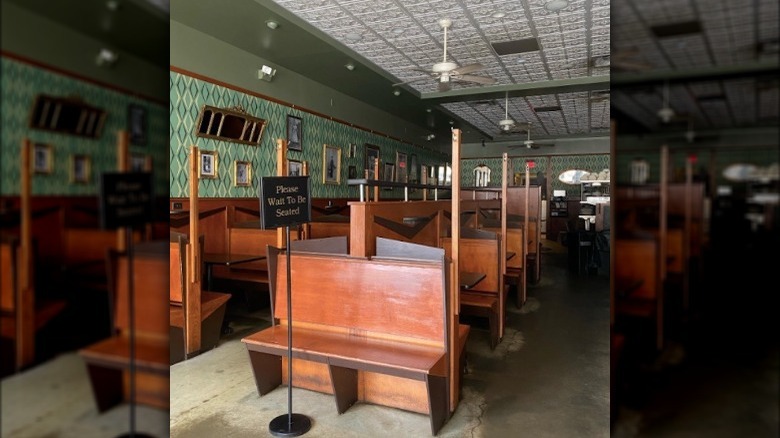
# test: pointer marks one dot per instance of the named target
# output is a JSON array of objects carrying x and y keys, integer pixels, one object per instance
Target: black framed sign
[
  {"x": 284, "y": 201},
  {"x": 125, "y": 199},
  {"x": 137, "y": 124}
]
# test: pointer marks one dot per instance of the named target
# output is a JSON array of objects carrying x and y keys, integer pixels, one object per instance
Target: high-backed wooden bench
[
  {"x": 515, "y": 265},
  {"x": 84, "y": 255},
  {"x": 332, "y": 225},
  {"x": 357, "y": 325},
  {"x": 212, "y": 304},
  {"x": 480, "y": 251},
  {"x": 638, "y": 284},
  {"x": 108, "y": 360},
  {"x": 12, "y": 311}
]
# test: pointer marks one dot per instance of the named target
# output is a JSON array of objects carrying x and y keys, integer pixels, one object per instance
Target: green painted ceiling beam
[
  {"x": 761, "y": 68},
  {"x": 590, "y": 83}
]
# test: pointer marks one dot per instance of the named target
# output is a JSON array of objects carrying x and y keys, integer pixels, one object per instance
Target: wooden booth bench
[
  {"x": 108, "y": 361},
  {"x": 363, "y": 330},
  {"x": 212, "y": 304}
]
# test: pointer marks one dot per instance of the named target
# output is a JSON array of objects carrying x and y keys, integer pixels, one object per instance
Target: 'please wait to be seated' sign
[{"x": 284, "y": 201}]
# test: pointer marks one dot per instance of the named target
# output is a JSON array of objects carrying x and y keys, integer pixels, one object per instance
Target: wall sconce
[{"x": 266, "y": 73}]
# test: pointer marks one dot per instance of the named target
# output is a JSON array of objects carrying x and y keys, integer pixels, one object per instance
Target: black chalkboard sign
[
  {"x": 125, "y": 199},
  {"x": 284, "y": 201}
]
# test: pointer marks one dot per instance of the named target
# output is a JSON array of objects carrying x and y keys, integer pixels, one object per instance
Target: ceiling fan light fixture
[
  {"x": 556, "y": 5},
  {"x": 498, "y": 14},
  {"x": 396, "y": 92},
  {"x": 349, "y": 66},
  {"x": 272, "y": 24},
  {"x": 666, "y": 114}
]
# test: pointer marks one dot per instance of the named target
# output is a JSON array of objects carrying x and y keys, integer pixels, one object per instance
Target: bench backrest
[
  {"x": 514, "y": 243},
  {"x": 374, "y": 298},
  {"x": 8, "y": 253},
  {"x": 324, "y": 245},
  {"x": 252, "y": 241},
  {"x": 150, "y": 282},
  {"x": 637, "y": 259},
  {"x": 178, "y": 268},
  {"x": 480, "y": 255}
]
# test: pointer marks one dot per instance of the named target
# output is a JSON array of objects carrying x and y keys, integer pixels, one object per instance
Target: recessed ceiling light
[
  {"x": 520, "y": 60},
  {"x": 353, "y": 37},
  {"x": 498, "y": 14},
  {"x": 556, "y": 5},
  {"x": 349, "y": 66},
  {"x": 398, "y": 30},
  {"x": 112, "y": 5},
  {"x": 397, "y": 92},
  {"x": 272, "y": 24}
]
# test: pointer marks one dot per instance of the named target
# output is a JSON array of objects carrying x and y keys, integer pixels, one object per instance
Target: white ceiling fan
[
  {"x": 531, "y": 144},
  {"x": 445, "y": 72},
  {"x": 507, "y": 125}
]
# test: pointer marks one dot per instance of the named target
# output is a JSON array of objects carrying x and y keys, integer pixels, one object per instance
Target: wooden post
[
  {"x": 613, "y": 199},
  {"x": 502, "y": 257},
  {"x": 25, "y": 291},
  {"x": 307, "y": 226},
  {"x": 454, "y": 276},
  {"x": 662, "y": 211},
  {"x": 192, "y": 334},
  {"x": 281, "y": 170},
  {"x": 687, "y": 232},
  {"x": 376, "y": 176},
  {"x": 122, "y": 165}
]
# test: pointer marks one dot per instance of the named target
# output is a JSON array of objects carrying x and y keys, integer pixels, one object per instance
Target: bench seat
[{"x": 345, "y": 354}]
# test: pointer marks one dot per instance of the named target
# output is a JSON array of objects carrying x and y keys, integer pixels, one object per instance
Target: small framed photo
[
  {"x": 80, "y": 170},
  {"x": 414, "y": 169},
  {"x": 294, "y": 168},
  {"x": 208, "y": 164},
  {"x": 401, "y": 163},
  {"x": 352, "y": 172},
  {"x": 242, "y": 173},
  {"x": 371, "y": 154},
  {"x": 136, "y": 115},
  {"x": 294, "y": 133},
  {"x": 140, "y": 163},
  {"x": 352, "y": 150},
  {"x": 42, "y": 158},
  {"x": 389, "y": 174},
  {"x": 331, "y": 164}
]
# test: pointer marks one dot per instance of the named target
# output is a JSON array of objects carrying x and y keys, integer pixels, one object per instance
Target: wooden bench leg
[
  {"x": 106, "y": 386},
  {"x": 438, "y": 401},
  {"x": 345, "y": 387},
  {"x": 267, "y": 369},
  {"x": 493, "y": 323}
]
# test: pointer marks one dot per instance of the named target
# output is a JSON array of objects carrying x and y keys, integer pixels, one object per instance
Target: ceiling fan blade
[
  {"x": 445, "y": 86},
  {"x": 468, "y": 69},
  {"x": 478, "y": 79}
]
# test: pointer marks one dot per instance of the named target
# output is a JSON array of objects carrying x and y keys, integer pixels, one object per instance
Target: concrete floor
[{"x": 549, "y": 377}]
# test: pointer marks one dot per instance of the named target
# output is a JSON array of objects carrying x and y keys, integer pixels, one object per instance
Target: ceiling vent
[
  {"x": 515, "y": 47},
  {"x": 676, "y": 29},
  {"x": 547, "y": 109}
]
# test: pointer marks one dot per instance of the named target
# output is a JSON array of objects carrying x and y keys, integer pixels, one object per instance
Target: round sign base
[{"x": 289, "y": 425}]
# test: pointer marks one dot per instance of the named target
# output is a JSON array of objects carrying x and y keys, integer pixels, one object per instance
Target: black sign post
[
  {"x": 126, "y": 201},
  {"x": 284, "y": 201}
]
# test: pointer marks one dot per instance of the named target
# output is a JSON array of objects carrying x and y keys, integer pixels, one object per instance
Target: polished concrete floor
[{"x": 549, "y": 377}]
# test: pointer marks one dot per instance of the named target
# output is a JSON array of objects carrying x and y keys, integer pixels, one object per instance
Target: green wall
[
  {"x": 555, "y": 163},
  {"x": 22, "y": 82},
  {"x": 189, "y": 94}
]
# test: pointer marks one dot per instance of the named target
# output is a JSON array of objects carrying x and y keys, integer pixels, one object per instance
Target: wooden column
[
  {"x": 25, "y": 292},
  {"x": 454, "y": 322},
  {"x": 307, "y": 226},
  {"x": 502, "y": 258},
  {"x": 687, "y": 233},
  {"x": 613, "y": 201},
  {"x": 662, "y": 221},
  {"x": 122, "y": 165},
  {"x": 281, "y": 170},
  {"x": 192, "y": 308},
  {"x": 376, "y": 176}
]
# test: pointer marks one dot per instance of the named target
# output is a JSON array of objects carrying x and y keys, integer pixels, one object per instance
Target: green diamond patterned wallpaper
[
  {"x": 21, "y": 83},
  {"x": 188, "y": 95}
]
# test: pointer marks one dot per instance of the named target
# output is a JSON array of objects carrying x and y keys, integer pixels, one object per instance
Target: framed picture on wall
[
  {"x": 294, "y": 168},
  {"x": 413, "y": 169},
  {"x": 294, "y": 133},
  {"x": 242, "y": 173},
  {"x": 137, "y": 125},
  {"x": 140, "y": 163},
  {"x": 371, "y": 154},
  {"x": 401, "y": 167},
  {"x": 352, "y": 172},
  {"x": 331, "y": 164},
  {"x": 80, "y": 169},
  {"x": 388, "y": 173},
  {"x": 42, "y": 158},
  {"x": 208, "y": 164},
  {"x": 423, "y": 174}
]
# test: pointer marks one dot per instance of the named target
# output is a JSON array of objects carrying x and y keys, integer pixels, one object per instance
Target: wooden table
[
  {"x": 219, "y": 258},
  {"x": 470, "y": 279}
]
